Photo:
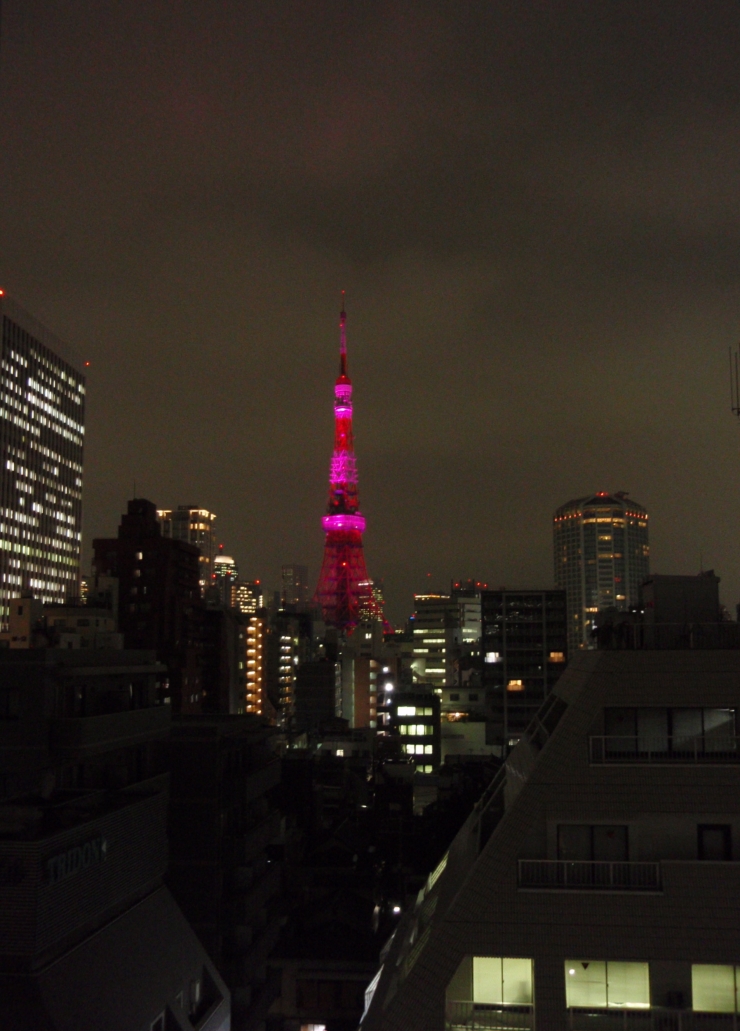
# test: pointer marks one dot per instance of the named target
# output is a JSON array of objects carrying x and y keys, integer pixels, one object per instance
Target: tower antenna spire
[
  {"x": 344, "y": 590},
  {"x": 343, "y": 339}
]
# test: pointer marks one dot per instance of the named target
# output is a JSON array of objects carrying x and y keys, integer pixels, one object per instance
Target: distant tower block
[
  {"x": 602, "y": 555},
  {"x": 344, "y": 591}
]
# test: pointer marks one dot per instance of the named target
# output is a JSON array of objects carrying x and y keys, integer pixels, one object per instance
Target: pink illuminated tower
[{"x": 344, "y": 588}]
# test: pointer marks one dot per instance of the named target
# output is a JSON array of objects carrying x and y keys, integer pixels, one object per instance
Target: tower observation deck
[{"x": 344, "y": 590}]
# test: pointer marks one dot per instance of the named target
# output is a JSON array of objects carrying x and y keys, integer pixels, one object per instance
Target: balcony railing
[
  {"x": 583, "y": 875},
  {"x": 632, "y": 748},
  {"x": 481, "y": 1016},
  {"x": 582, "y": 1018}
]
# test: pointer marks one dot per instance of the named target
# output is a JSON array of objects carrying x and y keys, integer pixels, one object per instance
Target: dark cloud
[{"x": 534, "y": 210}]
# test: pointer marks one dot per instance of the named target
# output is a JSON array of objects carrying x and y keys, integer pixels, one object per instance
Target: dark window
[
  {"x": 714, "y": 841},
  {"x": 593, "y": 842},
  {"x": 454, "y": 697},
  {"x": 473, "y": 697},
  {"x": 668, "y": 731}
]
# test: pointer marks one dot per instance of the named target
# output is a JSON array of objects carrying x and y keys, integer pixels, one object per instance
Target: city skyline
[{"x": 533, "y": 214}]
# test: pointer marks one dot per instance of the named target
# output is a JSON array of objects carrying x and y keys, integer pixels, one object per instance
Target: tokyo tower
[{"x": 344, "y": 591}]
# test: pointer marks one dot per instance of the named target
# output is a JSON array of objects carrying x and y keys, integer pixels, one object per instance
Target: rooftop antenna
[
  {"x": 734, "y": 382},
  {"x": 343, "y": 339}
]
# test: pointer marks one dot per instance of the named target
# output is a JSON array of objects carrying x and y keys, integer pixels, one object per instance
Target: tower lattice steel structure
[{"x": 344, "y": 590}]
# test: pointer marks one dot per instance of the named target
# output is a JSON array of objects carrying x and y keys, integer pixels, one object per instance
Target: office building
[
  {"x": 224, "y": 580},
  {"x": 159, "y": 605},
  {"x": 414, "y": 715},
  {"x": 593, "y": 885},
  {"x": 42, "y": 427},
  {"x": 294, "y": 581},
  {"x": 524, "y": 653},
  {"x": 436, "y": 632},
  {"x": 248, "y": 596},
  {"x": 602, "y": 555},
  {"x": 195, "y": 526},
  {"x": 467, "y": 594},
  {"x": 90, "y": 937}
]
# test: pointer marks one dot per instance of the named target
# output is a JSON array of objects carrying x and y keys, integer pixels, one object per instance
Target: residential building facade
[{"x": 593, "y": 885}]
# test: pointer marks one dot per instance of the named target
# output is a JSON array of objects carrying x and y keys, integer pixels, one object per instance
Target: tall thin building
[
  {"x": 42, "y": 427},
  {"x": 224, "y": 578},
  {"x": 343, "y": 588},
  {"x": 602, "y": 555}
]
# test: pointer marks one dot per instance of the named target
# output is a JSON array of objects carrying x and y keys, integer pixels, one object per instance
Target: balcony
[
  {"x": 583, "y": 875},
  {"x": 481, "y": 1016},
  {"x": 654, "y": 1019},
  {"x": 703, "y": 749}
]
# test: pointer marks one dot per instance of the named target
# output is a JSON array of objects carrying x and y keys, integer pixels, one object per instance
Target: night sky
[{"x": 534, "y": 208}]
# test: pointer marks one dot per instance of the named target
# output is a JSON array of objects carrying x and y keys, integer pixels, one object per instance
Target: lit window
[
  {"x": 493, "y": 657},
  {"x": 607, "y": 984},
  {"x": 557, "y": 656},
  {"x": 515, "y": 685},
  {"x": 713, "y": 988},
  {"x": 498, "y": 980},
  {"x": 407, "y": 710}
]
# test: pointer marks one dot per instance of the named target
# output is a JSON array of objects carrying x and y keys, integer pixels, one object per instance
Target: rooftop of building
[{"x": 34, "y": 817}]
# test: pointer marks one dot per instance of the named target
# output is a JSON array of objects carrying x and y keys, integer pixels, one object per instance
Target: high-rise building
[
  {"x": 602, "y": 555},
  {"x": 224, "y": 578},
  {"x": 467, "y": 594},
  {"x": 343, "y": 589},
  {"x": 159, "y": 603},
  {"x": 247, "y": 596},
  {"x": 42, "y": 426},
  {"x": 436, "y": 634},
  {"x": 289, "y": 645},
  {"x": 524, "y": 653},
  {"x": 294, "y": 585},
  {"x": 196, "y": 526}
]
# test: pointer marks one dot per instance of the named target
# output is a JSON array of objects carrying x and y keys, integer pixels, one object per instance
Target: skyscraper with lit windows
[
  {"x": 602, "y": 555},
  {"x": 42, "y": 426}
]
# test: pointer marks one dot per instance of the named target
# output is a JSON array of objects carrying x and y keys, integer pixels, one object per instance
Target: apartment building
[{"x": 595, "y": 884}]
